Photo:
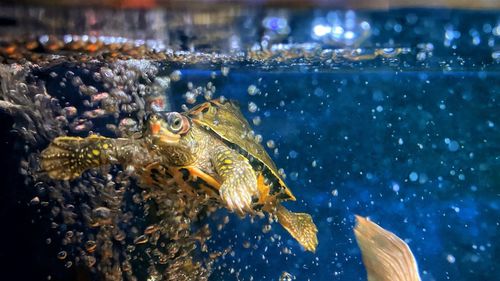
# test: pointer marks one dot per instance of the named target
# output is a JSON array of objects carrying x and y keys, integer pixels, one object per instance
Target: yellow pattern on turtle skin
[
  {"x": 226, "y": 119},
  {"x": 239, "y": 182},
  {"x": 236, "y": 189},
  {"x": 66, "y": 158},
  {"x": 300, "y": 226}
]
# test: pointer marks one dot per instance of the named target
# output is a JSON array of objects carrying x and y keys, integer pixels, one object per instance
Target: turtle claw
[
  {"x": 62, "y": 159},
  {"x": 232, "y": 203},
  {"x": 239, "y": 182},
  {"x": 238, "y": 198},
  {"x": 66, "y": 158}
]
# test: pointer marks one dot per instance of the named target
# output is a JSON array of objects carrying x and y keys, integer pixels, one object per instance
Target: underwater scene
[{"x": 250, "y": 144}]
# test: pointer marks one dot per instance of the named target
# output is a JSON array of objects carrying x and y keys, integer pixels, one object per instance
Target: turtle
[{"x": 212, "y": 143}]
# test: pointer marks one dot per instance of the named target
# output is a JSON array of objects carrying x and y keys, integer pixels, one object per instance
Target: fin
[
  {"x": 386, "y": 256},
  {"x": 239, "y": 182},
  {"x": 67, "y": 158},
  {"x": 300, "y": 226}
]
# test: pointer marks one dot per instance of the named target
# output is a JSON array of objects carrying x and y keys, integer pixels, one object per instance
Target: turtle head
[
  {"x": 167, "y": 129},
  {"x": 169, "y": 133}
]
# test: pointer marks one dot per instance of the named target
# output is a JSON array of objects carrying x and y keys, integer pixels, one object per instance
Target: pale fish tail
[
  {"x": 385, "y": 255},
  {"x": 300, "y": 226}
]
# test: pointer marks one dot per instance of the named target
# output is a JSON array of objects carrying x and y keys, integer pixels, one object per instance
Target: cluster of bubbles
[
  {"x": 193, "y": 92},
  {"x": 114, "y": 226}
]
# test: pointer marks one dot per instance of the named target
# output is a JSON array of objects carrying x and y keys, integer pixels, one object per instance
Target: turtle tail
[
  {"x": 300, "y": 226},
  {"x": 67, "y": 158}
]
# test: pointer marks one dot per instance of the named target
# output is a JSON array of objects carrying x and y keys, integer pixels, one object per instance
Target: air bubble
[
  {"x": 107, "y": 74},
  {"x": 224, "y": 70},
  {"x": 35, "y": 201},
  {"x": 141, "y": 240},
  {"x": 252, "y": 90},
  {"x": 453, "y": 146},
  {"x": 270, "y": 144},
  {"x": 413, "y": 176},
  {"x": 258, "y": 138},
  {"x": 266, "y": 228},
  {"x": 252, "y": 107},
  {"x": 190, "y": 97},
  {"x": 62, "y": 255},
  {"x": 90, "y": 246},
  {"x": 175, "y": 75}
]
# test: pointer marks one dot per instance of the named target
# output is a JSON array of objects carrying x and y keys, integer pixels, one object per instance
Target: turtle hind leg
[
  {"x": 300, "y": 226},
  {"x": 67, "y": 158}
]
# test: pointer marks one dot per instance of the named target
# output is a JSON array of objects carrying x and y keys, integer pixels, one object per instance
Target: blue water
[
  {"x": 415, "y": 151},
  {"x": 412, "y": 144}
]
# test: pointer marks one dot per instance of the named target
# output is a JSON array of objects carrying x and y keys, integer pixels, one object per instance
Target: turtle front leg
[
  {"x": 239, "y": 182},
  {"x": 67, "y": 158}
]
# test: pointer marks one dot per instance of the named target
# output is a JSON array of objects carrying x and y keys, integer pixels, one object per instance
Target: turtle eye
[{"x": 174, "y": 121}]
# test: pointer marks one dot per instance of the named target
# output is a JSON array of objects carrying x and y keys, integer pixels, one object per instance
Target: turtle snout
[
  {"x": 154, "y": 124},
  {"x": 161, "y": 135}
]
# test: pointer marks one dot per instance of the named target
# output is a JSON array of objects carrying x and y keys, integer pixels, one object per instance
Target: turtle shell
[{"x": 225, "y": 119}]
